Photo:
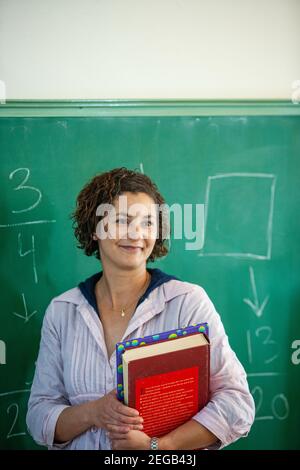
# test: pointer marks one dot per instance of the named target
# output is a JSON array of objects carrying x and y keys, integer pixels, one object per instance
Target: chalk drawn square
[{"x": 239, "y": 215}]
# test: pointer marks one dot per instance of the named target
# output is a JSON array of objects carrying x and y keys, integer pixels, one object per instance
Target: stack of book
[{"x": 165, "y": 376}]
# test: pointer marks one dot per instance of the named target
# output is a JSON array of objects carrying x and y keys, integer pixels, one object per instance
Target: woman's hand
[
  {"x": 133, "y": 440},
  {"x": 112, "y": 415}
]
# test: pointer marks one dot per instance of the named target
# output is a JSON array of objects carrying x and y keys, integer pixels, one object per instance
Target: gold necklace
[{"x": 143, "y": 290}]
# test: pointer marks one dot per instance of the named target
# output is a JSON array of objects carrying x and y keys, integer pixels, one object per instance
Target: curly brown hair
[{"x": 103, "y": 189}]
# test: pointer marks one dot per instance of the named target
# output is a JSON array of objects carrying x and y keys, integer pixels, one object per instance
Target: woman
[{"x": 73, "y": 402}]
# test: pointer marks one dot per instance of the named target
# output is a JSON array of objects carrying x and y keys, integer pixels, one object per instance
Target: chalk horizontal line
[
  {"x": 13, "y": 392},
  {"x": 242, "y": 175},
  {"x": 262, "y": 418},
  {"x": 263, "y": 374},
  {"x": 33, "y": 222},
  {"x": 237, "y": 255}
]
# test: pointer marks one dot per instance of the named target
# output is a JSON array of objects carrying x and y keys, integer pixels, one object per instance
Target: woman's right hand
[{"x": 110, "y": 414}]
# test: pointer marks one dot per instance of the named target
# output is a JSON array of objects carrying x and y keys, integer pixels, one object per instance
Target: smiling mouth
[{"x": 132, "y": 249}]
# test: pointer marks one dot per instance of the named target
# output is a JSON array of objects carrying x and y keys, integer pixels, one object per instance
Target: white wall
[{"x": 205, "y": 49}]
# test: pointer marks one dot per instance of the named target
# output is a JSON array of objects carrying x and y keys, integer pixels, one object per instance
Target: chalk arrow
[
  {"x": 255, "y": 306},
  {"x": 27, "y": 316}
]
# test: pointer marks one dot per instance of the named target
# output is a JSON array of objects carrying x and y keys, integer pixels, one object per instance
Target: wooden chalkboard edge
[{"x": 123, "y": 108}]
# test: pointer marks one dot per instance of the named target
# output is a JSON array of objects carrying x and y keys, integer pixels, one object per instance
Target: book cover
[
  {"x": 166, "y": 379},
  {"x": 122, "y": 346}
]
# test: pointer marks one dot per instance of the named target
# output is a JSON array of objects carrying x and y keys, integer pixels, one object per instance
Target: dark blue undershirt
[{"x": 87, "y": 287}]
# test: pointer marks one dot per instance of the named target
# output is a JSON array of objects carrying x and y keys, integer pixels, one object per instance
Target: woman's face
[{"x": 130, "y": 230}]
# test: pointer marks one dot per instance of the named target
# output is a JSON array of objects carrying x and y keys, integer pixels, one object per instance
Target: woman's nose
[{"x": 135, "y": 231}]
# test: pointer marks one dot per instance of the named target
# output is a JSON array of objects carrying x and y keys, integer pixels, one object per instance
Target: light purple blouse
[{"x": 73, "y": 366}]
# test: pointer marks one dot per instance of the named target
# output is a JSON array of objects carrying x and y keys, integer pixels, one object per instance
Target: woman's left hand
[{"x": 132, "y": 440}]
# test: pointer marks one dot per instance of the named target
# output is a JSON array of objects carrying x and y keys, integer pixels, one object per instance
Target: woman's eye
[
  {"x": 148, "y": 223},
  {"x": 124, "y": 221}
]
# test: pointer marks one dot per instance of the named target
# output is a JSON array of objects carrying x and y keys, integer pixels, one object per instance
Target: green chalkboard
[{"x": 241, "y": 159}]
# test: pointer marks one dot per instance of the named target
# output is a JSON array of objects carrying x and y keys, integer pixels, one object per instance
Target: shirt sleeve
[
  {"x": 230, "y": 411},
  {"x": 48, "y": 396}
]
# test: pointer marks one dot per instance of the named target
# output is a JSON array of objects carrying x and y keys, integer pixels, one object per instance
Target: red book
[{"x": 168, "y": 382}]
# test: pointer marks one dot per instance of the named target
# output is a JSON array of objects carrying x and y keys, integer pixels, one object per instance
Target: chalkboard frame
[
  {"x": 117, "y": 107},
  {"x": 171, "y": 108}
]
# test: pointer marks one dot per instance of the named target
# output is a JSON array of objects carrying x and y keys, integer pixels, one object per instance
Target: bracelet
[{"x": 154, "y": 443}]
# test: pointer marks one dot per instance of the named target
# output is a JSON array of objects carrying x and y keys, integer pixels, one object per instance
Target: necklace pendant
[{"x": 122, "y": 313}]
